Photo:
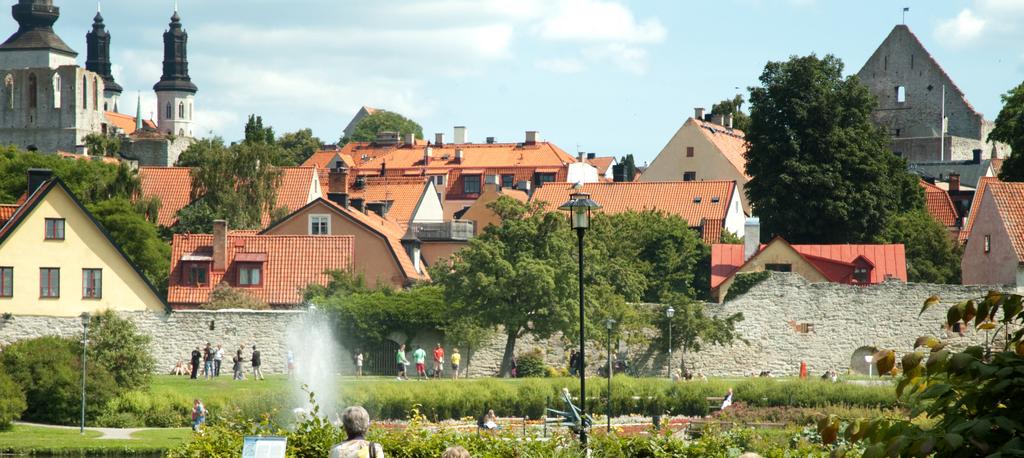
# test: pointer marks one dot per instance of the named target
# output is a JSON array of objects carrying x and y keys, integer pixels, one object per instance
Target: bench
[{"x": 714, "y": 402}]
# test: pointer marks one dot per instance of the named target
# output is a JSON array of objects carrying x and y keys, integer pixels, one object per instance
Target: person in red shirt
[{"x": 438, "y": 361}]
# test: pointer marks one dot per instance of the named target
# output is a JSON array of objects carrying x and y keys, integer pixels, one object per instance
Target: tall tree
[
  {"x": 136, "y": 236},
  {"x": 256, "y": 133},
  {"x": 103, "y": 145},
  {"x": 821, "y": 171},
  {"x": 89, "y": 180},
  {"x": 300, "y": 145},
  {"x": 516, "y": 275},
  {"x": 733, "y": 106},
  {"x": 1010, "y": 130},
  {"x": 693, "y": 327},
  {"x": 366, "y": 129},
  {"x": 628, "y": 167},
  {"x": 932, "y": 255}
]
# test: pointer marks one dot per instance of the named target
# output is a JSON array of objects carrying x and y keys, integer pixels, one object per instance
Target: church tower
[
  {"x": 35, "y": 45},
  {"x": 175, "y": 93},
  {"x": 98, "y": 61}
]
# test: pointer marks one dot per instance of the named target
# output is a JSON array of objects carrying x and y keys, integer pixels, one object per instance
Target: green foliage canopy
[
  {"x": 136, "y": 236},
  {"x": 821, "y": 171},
  {"x": 733, "y": 106},
  {"x": 300, "y": 145},
  {"x": 89, "y": 180},
  {"x": 117, "y": 345},
  {"x": 12, "y": 401},
  {"x": 1010, "y": 130},
  {"x": 932, "y": 255},
  {"x": 366, "y": 129}
]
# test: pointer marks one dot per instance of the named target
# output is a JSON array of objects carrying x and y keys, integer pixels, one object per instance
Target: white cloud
[
  {"x": 598, "y": 21},
  {"x": 629, "y": 58},
  {"x": 965, "y": 28},
  {"x": 562, "y": 65}
]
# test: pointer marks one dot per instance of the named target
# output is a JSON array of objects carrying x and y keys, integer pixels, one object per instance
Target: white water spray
[{"x": 316, "y": 355}]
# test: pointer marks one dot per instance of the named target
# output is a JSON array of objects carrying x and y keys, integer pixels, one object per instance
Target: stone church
[
  {"x": 913, "y": 93},
  {"x": 50, "y": 104}
]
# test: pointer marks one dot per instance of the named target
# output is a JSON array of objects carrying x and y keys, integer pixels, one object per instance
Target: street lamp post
[
  {"x": 579, "y": 207},
  {"x": 671, "y": 312},
  {"x": 609, "y": 324},
  {"x": 85, "y": 342}
]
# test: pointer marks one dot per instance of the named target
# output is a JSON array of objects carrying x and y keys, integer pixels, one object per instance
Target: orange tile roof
[
  {"x": 292, "y": 263},
  {"x": 475, "y": 155},
  {"x": 938, "y": 204},
  {"x": 1009, "y": 199},
  {"x": 983, "y": 183},
  {"x": 835, "y": 262},
  {"x": 293, "y": 192},
  {"x": 390, "y": 231},
  {"x": 731, "y": 142},
  {"x": 322, "y": 159},
  {"x": 126, "y": 122},
  {"x": 997, "y": 165},
  {"x": 172, "y": 185},
  {"x": 602, "y": 163},
  {"x": 673, "y": 197},
  {"x": 6, "y": 212},
  {"x": 403, "y": 192}
]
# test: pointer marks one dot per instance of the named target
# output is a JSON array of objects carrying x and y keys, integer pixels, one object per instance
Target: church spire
[
  {"x": 35, "y": 29},
  {"x": 98, "y": 53},
  {"x": 138, "y": 112},
  {"x": 175, "y": 76}
]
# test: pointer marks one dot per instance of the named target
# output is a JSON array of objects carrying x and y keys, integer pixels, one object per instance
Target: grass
[{"x": 24, "y": 439}]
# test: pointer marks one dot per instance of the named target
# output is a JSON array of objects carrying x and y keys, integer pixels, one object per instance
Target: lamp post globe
[
  {"x": 579, "y": 208},
  {"x": 671, "y": 312},
  {"x": 85, "y": 342}
]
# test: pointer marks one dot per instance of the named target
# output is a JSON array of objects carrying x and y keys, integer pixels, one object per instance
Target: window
[
  {"x": 181, "y": 110},
  {"x": 190, "y": 110},
  {"x": 861, "y": 275},
  {"x": 92, "y": 283},
  {"x": 779, "y": 267},
  {"x": 54, "y": 228},
  {"x": 196, "y": 274},
  {"x": 897, "y": 132},
  {"x": 169, "y": 111},
  {"x": 250, "y": 275},
  {"x": 689, "y": 176},
  {"x": 885, "y": 63},
  {"x": 471, "y": 184},
  {"x": 6, "y": 281},
  {"x": 541, "y": 178},
  {"x": 689, "y": 151},
  {"x": 49, "y": 282},
  {"x": 56, "y": 91},
  {"x": 319, "y": 225},
  {"x": 33, "y": 91},
  {"x": 85, "y": 93},
  {"x": 901, "y": 94},
  {"x": 96, "y": 94},
  {"x": 439, "y": 180},
  {"x": 911, "y": 61},
  {"x": 508, "y": 181},
  {"x": 9, "y": 86},
  {"x": 988, "y": 244}
]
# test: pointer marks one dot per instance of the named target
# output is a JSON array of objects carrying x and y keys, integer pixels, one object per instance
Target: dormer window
[
  {"x": 250, "y": 274},
  {"x": 197, "y": 274},
  {"x": 861, "y": 274}
]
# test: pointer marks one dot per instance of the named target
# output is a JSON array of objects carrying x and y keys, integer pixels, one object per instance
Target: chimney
[
  {"x": 698, "y": 113},
  {"x": 728, "y": 120},
  {"x": 337, "y": 180},
  {"x": 339, "y": 198},
  {"x": 954, "y": 181},
  {"x": 976, "y": 158},
  {"x": 591, "y": 155},
  {"x": 37, "y": 177},
  {"x": 461, "y": 135},
  {"x": 720, "y": 120},
  {"x": 751, "y": 237},
  {"x": 409, "y": 139},
  {"x": 439, "y": 139},
  {"x": 490, "y": 140},
  {"x": 220, "y": 245},
  {"x": 428, "y": 154},
  {"x": 458, "y": 156},
  {"x": 581, "y": 156},
  {"x": 531, "y": 137}
]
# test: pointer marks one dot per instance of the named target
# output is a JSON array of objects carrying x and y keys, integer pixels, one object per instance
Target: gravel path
[{"x": 108, "y": 433}]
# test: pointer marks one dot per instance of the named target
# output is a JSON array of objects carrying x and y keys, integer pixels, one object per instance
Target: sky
[{"x": 611, "y": 77}]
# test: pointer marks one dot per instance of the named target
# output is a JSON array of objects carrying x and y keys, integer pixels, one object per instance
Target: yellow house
[{"x": 57, "y": 260}]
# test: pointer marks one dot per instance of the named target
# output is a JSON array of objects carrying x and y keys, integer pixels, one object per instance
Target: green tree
[
  {"x": 516, "y": 275},
  {"x": 628, "y": 167},
  {"x": 256, "y": 133},
  {"x": 137, "y": 237},
  {"x": 733, "y": 106},
  {"x": 1010, "y": 130},
  {"x": 89, "y": 181},
  {"x": 932, "y": 256},
  {"x": 692, "y": 327},
  {"x": 224, "y": 296},
  {"x": 103, "y": 145},
  {"x": 12, "y": 401},
  {"x": 300, "y": 145},
  {"x": 821, "y": 171},
  {"x": 116, "y": 344},
  {"x": 199, "y": 149},
  {"x": 366, "y": 129}
]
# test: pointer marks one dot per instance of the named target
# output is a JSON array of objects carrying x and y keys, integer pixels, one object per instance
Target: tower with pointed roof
[
  {"x": 175, "y": 93},
  {"x": 35, "y": 45},
  {"x": 98, "y": 61}
]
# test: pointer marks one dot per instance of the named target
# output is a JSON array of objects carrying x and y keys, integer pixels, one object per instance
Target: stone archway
[{"x": 857, "y": 363}]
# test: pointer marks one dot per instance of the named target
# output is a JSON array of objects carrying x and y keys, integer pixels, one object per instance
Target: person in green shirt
[
  {"x": 420, "y": 357},
  {"x": 402, "y": 362}
]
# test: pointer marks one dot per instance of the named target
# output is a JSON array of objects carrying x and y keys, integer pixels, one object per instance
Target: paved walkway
[{"x": 108, "y": 433}]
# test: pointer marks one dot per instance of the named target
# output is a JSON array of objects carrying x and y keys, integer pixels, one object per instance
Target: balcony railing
[{"x": 456, "y": 230}]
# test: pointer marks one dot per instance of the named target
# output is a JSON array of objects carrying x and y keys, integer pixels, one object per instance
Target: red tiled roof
[
  {"x": 404, "y": 193},
  {"x": 939, "y": 205},
  {"x": 475, "y": 155},
  {"x": 392, "y": 232},
  {"x": 6, "y": 212},
  {"x": 983, "y": 183},
  {"x": 602, "y": 163},
  {"x": 694, "y": 201},
  {"x": 126, "y": 122},
  {"x": 1009, "y": 199},
  {"x": 172, "y": 185},
  {"x": 292, "y": 263},
  {"x": 322, "y": 159},
  {"x": 731, "y": 142},
  {"x": 835, "y": 262},
  {"x": 293, "y": 192}
]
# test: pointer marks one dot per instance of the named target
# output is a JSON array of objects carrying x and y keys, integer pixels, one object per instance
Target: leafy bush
[
  {"x": 116, "y": 344},
  {"x": 12, "y": 401},
  {"x": 224, "y": 296},
  {"x": 744, "y": 282},
  {"x": 531, "y": 365},
  {"x": 49, "y": 370},
  {"x": 139, "y": 408}
]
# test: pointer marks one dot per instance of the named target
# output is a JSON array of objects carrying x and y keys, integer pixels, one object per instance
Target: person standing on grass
[
  {"x": 198, "y": 415},
  {"x": 208, "y": 361},
  {"x": 402, "y": 362},
  {"x": 196, "y": 356},
  {"x": 217, "y": 357},
  {"x": 420, "y": 358},
  {"x": 573, "y": 362},
  {"x": 456, "y": 359},
  {"x": 438, "y": 361},
  {"x": 291, "y": 364},
  {"x": 237, "y": 366},
  {"x": 257, "y": 373},
  {"x": 359, "y": 363}
]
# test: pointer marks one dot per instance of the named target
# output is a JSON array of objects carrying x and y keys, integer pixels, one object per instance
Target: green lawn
[{"x": 28, "y": 439}]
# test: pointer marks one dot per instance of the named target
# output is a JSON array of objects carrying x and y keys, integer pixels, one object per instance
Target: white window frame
[{"x": 318, "y": 216}]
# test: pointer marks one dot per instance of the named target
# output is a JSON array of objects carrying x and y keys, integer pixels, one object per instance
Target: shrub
[
  {"x": 139, "y": 408},
  {"x": 49, "y": 370},
  {"x": 116, "y": 344},
  {"x": 531, "y": 365},
  {"x": 12, "y": 401},
  {"x": 224, "y": 296}
]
